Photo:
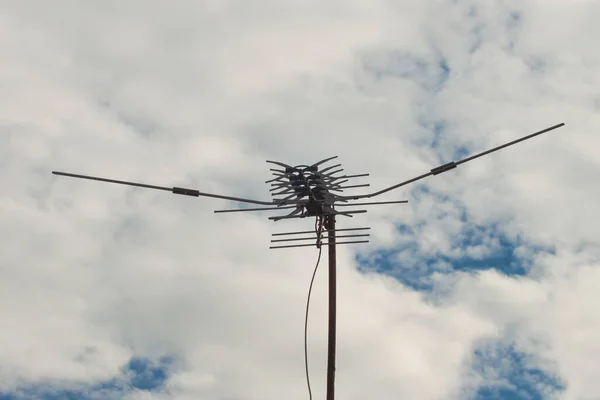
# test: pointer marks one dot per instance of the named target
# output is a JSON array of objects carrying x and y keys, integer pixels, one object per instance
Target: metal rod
[
  {"x": 330, "y": 179},
  {"x": 174, "y": 190},
  {"x": 324, "y": 161},
  {"x": 356, "y": 176},
  {"x": 285, "y": 199},
  {"x": 366, "y": 204},
  {"x": 95, "y": 178},
  {"x": 344, "y": 213},
  {"x": 333, "y": 178},
  {"x": 453, "y": 164},
  {"x": 255, "y": 209},
  {"x": 336, "y": 184},
  {"x": 303, "y": 232},
  {"x": 313, "y": 244},
  {"x": 351, "y": 212},
  {"x": 330, "y": 167},
  {"x": 334, "y": 172},
  {"x": 330, "y": 226},
  {"x": 286, "y": 191},
  {"x": 275, "y": 219},
  {"x": 354, "y": 186},
  {"x": 279, "y": 163},
  {"x": 278, "y": 186},
  {"x": 483, "y": 153},
  {"x": 348, "y": 213},
  {"x": 276, "y": 179},
  {"x": 315, "y": 238}
]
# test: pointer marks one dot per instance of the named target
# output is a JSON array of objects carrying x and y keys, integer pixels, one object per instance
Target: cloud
[{"x": 501, "y": 253}]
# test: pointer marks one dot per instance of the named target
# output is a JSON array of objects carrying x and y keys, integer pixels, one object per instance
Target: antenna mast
[{"x": 312, "y": 192}]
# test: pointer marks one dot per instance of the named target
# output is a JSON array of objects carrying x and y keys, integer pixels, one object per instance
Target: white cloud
[{"x": 200, "y": 95}]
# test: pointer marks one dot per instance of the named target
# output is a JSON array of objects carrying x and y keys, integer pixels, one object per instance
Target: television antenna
[{"x": 309, "y": 191}]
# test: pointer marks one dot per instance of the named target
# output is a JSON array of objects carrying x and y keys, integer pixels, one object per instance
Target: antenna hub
[{"x": 314, "y": 208}]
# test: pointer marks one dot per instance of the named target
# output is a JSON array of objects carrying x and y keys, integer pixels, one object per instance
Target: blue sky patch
[
  {"x": 515, "y": 375},
  {"x": 475, "y": 248},
  {"x": 415, "y": 270},
  {"x": 430, "y": 73},
  {"x": 139, "y": 373}
]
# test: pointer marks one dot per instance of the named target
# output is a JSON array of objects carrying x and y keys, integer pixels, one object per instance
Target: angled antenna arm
[
  {"x": 451, "y": 165},
  {"x": 174, "y": 190}
]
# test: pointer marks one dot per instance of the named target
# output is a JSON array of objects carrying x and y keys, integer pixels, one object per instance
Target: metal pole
[{"x": 330, "y": 226}]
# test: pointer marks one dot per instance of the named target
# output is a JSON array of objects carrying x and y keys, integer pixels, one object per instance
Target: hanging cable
[{"x": 318, "y": 231}]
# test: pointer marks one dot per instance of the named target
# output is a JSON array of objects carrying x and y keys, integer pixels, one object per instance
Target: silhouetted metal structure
[{"x": 310, "y": 191}]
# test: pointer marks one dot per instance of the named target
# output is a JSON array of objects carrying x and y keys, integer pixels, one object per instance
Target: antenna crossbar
[
  {"x": 314, "y": 238},
  {"x": 322, "y": 244},
  {"x": 334, "y": 230}
]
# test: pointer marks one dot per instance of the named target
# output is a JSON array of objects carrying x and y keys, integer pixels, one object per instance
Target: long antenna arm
[
  {"x": 174, "y": 190},
  {"x": 448, "y": 166}
]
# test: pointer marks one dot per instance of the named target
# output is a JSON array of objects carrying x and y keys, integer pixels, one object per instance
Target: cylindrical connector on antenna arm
[
  {"x": 443, "y": 168},
  {"x": 186, "y": 192}
]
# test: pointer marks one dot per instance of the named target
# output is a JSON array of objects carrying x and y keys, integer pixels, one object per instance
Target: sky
[{"x": 484, "y": 286}]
